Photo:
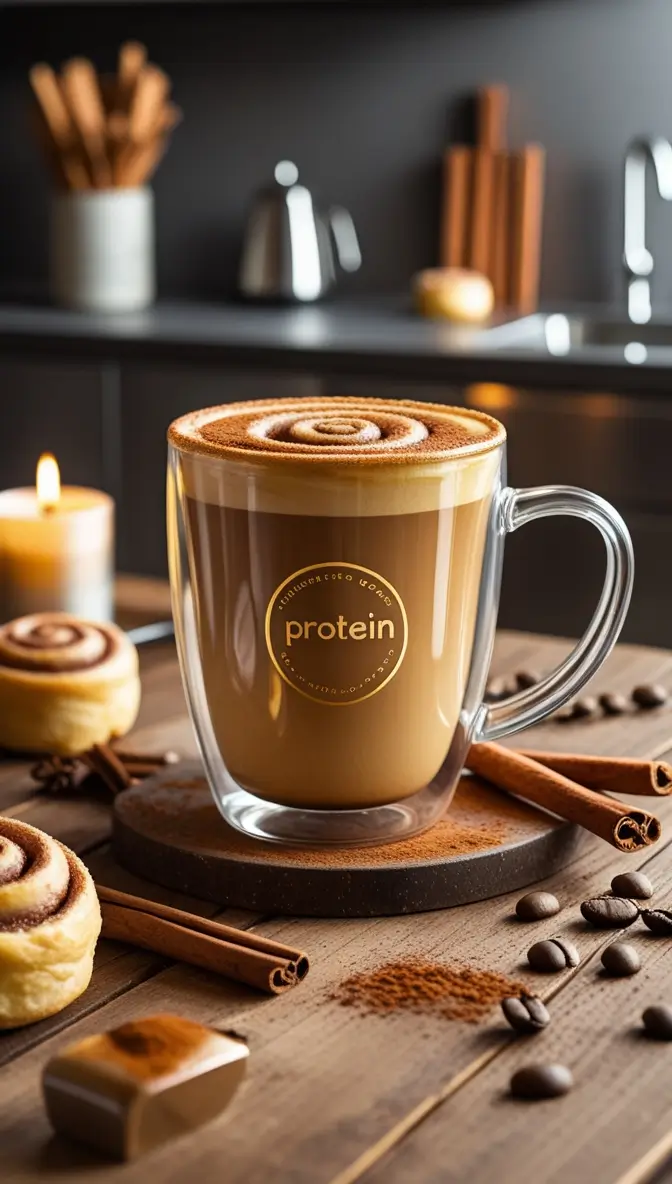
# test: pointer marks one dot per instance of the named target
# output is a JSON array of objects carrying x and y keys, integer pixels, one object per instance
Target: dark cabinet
[
  {"x": 615, "y": 445},
  {"x": 59, "y": 407},
  {"x": 107, "y": 425},
  {"x": 152, "y": 396}
]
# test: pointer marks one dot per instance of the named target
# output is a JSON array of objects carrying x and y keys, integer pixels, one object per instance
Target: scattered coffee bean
[
  {"x": 537, "y": 905},
  {"x": 649, "y": 695},
  {"x": 541, "y": 1081},
  {"x": 621, "y": 959},
  {"x": 526, "y": 679},
  {"x": 658, "y": 1022},
  {"x": 564, "y": 715},
  {"x": 610, "y": 912},
  {"x": 612, "y": 703},
  {"x": 553, "y": 955},
  {"x": 659, "y": 921},
  {"x": 633, "y": 884},
  {"x": 498, "y": 688},
  {"x": 584, "y": 708},
  {"x": 526, "y": 1013}
]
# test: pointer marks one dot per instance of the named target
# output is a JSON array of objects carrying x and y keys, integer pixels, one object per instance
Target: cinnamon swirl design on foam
[
  {"x": 65, "y": 684},
  {"x": 49, "y": 924},
  {"x": 338, "y": 430}
]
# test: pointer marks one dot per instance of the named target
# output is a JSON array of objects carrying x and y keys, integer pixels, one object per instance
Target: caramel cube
[{"x": 128, "y": 1090}]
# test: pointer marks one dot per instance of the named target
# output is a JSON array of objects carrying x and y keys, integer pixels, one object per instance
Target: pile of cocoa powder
[{"x": 415, "y": 984}]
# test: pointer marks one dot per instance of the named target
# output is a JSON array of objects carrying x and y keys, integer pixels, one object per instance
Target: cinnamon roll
[
  {"x": 49, "y": 924},
  {"x": 65, "y": 684}
]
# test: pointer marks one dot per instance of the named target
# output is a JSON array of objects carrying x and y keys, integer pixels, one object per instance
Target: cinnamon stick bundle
[
  {"x": 626, "y": 829},
  {"x": 233, "y": 953},
  {"x": 609, "y": 774}
]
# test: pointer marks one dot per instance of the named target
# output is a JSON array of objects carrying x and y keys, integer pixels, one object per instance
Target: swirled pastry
[
  {"x": 65, "y": 684},
  {"x": 49, "y": 924}
]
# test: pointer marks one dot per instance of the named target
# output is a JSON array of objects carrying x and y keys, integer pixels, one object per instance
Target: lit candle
[{"x": 56, "y": 548}]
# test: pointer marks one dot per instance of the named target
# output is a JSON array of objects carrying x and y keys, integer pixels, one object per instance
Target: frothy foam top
[{"x": 338, "y": 431}]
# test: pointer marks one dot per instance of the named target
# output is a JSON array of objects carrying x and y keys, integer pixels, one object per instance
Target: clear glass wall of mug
[{"x": 335, "y": 570}]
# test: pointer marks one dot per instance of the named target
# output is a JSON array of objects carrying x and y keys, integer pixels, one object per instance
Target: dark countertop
[{"x": 361, "y": 337}]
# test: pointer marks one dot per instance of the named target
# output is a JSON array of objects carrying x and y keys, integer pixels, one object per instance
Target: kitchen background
[{"x": 364, "y": 98}]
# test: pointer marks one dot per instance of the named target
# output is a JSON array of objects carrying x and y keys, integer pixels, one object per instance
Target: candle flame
[{"x": 48, "y": 482}]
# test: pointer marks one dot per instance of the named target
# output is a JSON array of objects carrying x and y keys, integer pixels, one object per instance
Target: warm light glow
[
  {"x": 490, "y": 396},
  {"x": 48, "y": 482}
]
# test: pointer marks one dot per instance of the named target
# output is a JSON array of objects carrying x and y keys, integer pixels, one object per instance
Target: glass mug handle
[{"x": 518, "y": 506}]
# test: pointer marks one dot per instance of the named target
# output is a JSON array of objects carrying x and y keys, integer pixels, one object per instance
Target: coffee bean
[
  {"x": 649, "y": 695},
  {"x": 526, "y": 1013},
  {"x": 498, "y": 688},
  {"x": 526, "y": 679},
  {"x": 584, "y": 708},
  {"x": 537, "y": 905},
  {"x": 633, "y": 884},
  {"x": 535, "y": 1082},
  {"x": 613, "y": 704},
  {"x": 553, "y": 955},
  {"x": 658, "y": 1022},
  {"x": 620, "y": 959},
  {"x": 659, "y": 921},
  {"x": 564, "y": 715},
  {"x": 610, "y": 912}
]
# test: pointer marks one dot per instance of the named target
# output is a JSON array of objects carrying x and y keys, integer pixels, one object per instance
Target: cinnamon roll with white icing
[
  {"x": 65, "y": 684},
  {"x": 49, "y": 924}
]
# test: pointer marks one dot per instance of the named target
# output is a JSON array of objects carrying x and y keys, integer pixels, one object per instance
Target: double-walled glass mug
[{"x": 335, "y": 568}]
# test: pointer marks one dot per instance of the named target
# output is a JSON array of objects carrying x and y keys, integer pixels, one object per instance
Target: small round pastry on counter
[
  {"x": 454, "y": 293},
  {"x": 49, "y": 925},
  {"x": 65, "y": 684}
]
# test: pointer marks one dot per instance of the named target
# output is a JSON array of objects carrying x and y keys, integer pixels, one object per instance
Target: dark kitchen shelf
[{"x": 361, "y": 337}]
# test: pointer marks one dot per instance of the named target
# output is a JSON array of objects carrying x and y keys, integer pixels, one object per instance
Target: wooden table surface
[{"x": 333, "y": 1096}]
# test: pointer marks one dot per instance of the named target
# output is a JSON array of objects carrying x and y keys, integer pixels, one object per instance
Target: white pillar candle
[{"x": 56, "y": 549}]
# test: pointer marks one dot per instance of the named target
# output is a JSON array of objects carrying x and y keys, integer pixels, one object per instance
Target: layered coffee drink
[{"x": 335, "y": 550}]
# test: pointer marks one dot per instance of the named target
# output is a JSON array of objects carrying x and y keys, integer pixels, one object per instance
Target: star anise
[{"x": 56, "y": 774}]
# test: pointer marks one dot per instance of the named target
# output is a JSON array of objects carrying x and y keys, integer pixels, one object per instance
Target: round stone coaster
[{"x": 169, "y": 830}]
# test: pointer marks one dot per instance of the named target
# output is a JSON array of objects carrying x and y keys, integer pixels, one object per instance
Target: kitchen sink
[{"x": 566, "y": 333}]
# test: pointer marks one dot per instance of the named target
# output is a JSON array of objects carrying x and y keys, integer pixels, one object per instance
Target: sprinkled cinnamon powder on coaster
[
  {"x": 180, "y": 809},
  {"x": 413, "y": 984}
]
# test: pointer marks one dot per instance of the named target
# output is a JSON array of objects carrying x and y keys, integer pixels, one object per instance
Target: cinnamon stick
[
  {"x": 499, "y": 245},
  {"x": 102, "y": 760},
  {"x": 526, "y": 221},
  {"x": 626, "y": 829},
  {"x": 233, "y": 953},
  {"x": 492, "y": 106},
  {"x": 457, "y": 176},
  {"x": 480, "y": 237},
  {"x": 609, "y": 774},
  {"x": 150, "y": 759}
]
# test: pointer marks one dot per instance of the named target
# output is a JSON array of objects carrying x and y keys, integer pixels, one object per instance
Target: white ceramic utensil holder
[{"x": 102, "y": 249}]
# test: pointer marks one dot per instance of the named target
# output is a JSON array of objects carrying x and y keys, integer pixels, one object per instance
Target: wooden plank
[
  {"x": 139, "y": 599},
  {"x": 615, "y": 1125},
  {"x": 118, "y": 967},
  {"x": 325, "y": 1083},
  {"x": 16, "y": 784},
  {"x": 116, "y": 970},
  {"x": 639, "y": 733},
  {"x": 81, "y": 822}
]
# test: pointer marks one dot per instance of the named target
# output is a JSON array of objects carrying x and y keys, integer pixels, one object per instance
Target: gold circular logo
[{"x": 336, "y": 632}]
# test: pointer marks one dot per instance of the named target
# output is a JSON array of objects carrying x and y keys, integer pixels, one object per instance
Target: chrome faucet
[{"x": 637, "y": 260}]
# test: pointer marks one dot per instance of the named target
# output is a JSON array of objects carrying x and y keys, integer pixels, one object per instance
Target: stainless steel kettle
[{"x": 288, "y": 251}]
